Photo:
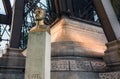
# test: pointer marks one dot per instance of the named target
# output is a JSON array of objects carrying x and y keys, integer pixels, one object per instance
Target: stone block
[
  {"x": 112, "y": 54},
  {"x": 98, "y": 65},
  {"x": 74, "y": 75},
  {"x": 61, "y": 65},
  {"x": 80, "y": 65}
]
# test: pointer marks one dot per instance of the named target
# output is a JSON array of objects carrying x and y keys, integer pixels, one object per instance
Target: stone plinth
[
  {"x": 12, "y": 64},
  {"x": 77, "y": 50},
  {"x": 71, "y": 61},
  {"x": 112, "y": 54},
  {"x": 38, "y": 56},
  {"x": 89, "y": 37}
]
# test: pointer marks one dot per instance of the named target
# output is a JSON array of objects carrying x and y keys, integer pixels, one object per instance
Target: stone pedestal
[
  {"x": 12, "y": 64},
  {"x": 112, "y": 54},
  {"x": 38, "y": 56}
]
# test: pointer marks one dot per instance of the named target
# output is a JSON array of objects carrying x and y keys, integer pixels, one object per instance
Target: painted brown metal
[
  {"x": 16, "y": 25},
  {"x": 8, "y": 10},
  {"x": 104, "y": 20},
  {"x": 4, "y": 19}
]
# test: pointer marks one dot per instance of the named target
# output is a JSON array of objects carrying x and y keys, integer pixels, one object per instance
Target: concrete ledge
[
  {"x": 71, "y": 48},
  {"x": 74, "y": 75}
]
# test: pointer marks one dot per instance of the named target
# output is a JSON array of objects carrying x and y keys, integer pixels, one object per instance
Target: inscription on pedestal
[{"x": 34, "y": 76}]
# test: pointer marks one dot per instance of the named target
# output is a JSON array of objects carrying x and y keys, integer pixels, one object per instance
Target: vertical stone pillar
[
  {"x": 111, "y": 28},
  {"x": 38, "y": 56},
  {"x": 112, "y": 54}
]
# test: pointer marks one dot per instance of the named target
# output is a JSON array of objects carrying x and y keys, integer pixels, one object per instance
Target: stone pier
[{"x": 38, "y": 56}]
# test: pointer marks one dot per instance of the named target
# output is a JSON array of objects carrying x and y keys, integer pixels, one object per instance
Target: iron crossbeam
[
  {"x": 4, "y": 19},
  {"x": 8, "y": 10}
]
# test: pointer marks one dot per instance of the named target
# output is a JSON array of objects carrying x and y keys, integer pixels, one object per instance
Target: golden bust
[{"x": 39, "y": 20}]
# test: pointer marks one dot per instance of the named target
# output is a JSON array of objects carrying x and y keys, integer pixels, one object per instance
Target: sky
[{"x": 2, "y": 11}]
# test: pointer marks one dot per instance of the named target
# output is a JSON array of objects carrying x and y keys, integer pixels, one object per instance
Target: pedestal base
[
  {"x": 112, "y": 54},
  {"x": 12, "y": 64}
]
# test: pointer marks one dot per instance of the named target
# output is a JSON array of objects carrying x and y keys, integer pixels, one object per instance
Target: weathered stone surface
[
  {"x": 77, "y": 65},
  {"x": 112, "y": 54},
  {"x": 12, "y": 64},
  {"x": 71, "y": 48},
  {"x": 109, "y": 75},
  {"x": 74, "y": 75},
  {"x": 60, "y": 65},
  {"x": 98, "y": 66},
  {"x": 90, "y": 39}
]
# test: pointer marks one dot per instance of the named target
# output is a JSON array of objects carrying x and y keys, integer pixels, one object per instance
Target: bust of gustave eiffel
[{"x": 39, "y": 20}]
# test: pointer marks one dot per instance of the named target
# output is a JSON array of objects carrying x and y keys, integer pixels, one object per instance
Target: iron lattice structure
[
  {"x": 5, "y": 22},
  {"x": 4, "y": 35}
]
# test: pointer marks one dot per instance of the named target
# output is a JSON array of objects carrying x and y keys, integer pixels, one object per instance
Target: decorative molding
[
  {"x": 77, "y": 65},
  {"x": 109, "y": 75}
]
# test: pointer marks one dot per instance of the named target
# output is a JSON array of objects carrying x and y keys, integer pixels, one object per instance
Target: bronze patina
[{"x": 39, "y": 20}]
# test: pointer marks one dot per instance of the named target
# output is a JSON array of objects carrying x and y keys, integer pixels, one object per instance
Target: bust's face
[{"x": 39, "y": 14}]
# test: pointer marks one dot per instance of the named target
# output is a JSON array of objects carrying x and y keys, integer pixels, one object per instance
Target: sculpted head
[
  {"x": 39, "y": 19},
  {"x": 39, "y": 14}
]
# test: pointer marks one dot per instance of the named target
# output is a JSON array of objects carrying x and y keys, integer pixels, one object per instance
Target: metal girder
[
  {"x": 7, "y": 7},
  {"x": 107, "y": 27},
  {"x": 4, "y": 19},
  {"x": 17, "y": 21},
  {"x": 8, "y": 11}
]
